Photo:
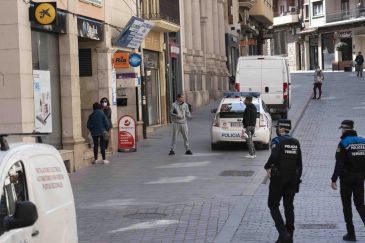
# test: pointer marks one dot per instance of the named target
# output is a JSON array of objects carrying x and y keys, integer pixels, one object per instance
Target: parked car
[
  {"x": 268, "y": 75},
  {"x": 36, "y": 199},
  {"x": 227, "y": 124}
]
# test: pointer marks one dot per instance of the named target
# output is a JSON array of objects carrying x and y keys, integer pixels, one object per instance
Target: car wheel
[
  {"x": 215, "y": 146},
  {"x": 284, "y": 115}
]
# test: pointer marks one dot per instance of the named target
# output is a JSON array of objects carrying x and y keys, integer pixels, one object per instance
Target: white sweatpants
[{"x": 183, "y": 129}]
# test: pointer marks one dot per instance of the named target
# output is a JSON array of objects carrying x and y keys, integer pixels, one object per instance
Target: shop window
[
  {"x": 306, "y": 12},
  {"x": 85, "y": 63},
  {"x": 317, "y": 9}
]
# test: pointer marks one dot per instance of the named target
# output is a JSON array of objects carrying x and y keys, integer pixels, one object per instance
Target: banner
[
  {"x": 127, "y": 139},
  {"x": 42, "y": 101},
  {"x": 133, "y": 34}
]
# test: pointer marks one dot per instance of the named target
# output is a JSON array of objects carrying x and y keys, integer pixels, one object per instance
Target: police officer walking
[
  {"x": 350, "y": 167},
  {"x": 284, "y": 167}
]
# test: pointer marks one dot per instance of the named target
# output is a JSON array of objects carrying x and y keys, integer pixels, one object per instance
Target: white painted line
[
  {"x": 328, "y": 98},
  {"x": 358, "y": 108},
  {"x": 185, "y": 165},
  {"x": 170, "y": 180},
  {"x": 116, "y": 203},
  {"x": 205, "y": 154},
  {"x": 146, "y": 225}
]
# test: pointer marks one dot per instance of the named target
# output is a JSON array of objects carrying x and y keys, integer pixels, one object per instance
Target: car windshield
[{"x": 234, "y": 110}]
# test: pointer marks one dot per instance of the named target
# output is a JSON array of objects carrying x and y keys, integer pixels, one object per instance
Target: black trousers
[
  {"x": 282, "y": 187},
  {"x": 315, "y": 87},
  {"x": 352, "y": 184},
  {"x": 96, "y": 140}
]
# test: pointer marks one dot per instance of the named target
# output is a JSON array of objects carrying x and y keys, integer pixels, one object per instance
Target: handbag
[{"x": 106, "y": 135}]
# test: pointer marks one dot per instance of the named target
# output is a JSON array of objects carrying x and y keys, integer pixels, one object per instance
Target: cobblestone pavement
[
  {"x": 148, "y": 196},
  {"x": 318, "y": 208}
]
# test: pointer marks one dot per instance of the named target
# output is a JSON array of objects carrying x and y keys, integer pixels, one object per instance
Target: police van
[
  {"x": 36, "y": 199},
  {"x": 227, "y": 124}
]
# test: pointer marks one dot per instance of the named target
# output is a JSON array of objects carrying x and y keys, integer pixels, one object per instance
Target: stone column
[
  {"x": 70, "y": 91},
  {"x": 215, "y": 20},
  {"x": 188, "y": 25},
  {"x": 196, "y": 31},
  {"x": 222, "y": 33},
  {"x": 209, "y": 26},
  {"x": 16, "y": 80}
]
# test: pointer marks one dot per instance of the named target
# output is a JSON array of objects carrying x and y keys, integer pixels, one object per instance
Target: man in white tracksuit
[{"x": 179, "y": 112}]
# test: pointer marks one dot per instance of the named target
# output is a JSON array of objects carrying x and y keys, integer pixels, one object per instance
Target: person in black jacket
[
  {"x": 249, "y": 123},
  {"x": 359, "y": 64},
  {"x": 98, "y": 124},
  {"x": 105, "y": 106},
  {"x": 284, "y": 168},
  {"x": 350, "y": 167}
]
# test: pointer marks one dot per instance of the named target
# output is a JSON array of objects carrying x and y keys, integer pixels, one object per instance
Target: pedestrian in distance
[
  {"x": 179, "y": 113},
  {"x": 318, "y": 79},
  {"x": 359, "y": 60},
  {"x": 350, "y": 168},
  {"x": 284, "y": 168},
  {"x": 249, "y": 123},
  {"x": 98, "y": 124},
  {"x": 105, "y": 106}
]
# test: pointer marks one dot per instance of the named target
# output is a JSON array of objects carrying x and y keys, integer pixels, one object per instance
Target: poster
[
  {"x": 42, "y": 101},
  {"x": 127, "y": 134},
  {"x": 114, "y": 87}
]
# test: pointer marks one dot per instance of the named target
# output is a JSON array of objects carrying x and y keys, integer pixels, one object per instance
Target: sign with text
[
  {"x": 121, "y": 60},
  {"x": 127, "y": 139},
  {"x": 133, "y": 34},
  {"x": 90, "y": 29},
  {"x": 42, "y": 101}
]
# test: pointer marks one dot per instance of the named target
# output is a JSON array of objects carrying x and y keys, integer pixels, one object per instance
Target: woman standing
[
  {"x": 105, "y": 106},
  {"x": 318, "y": 78}
]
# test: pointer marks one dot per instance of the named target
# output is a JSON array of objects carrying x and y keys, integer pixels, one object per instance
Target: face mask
[{"x": 104, "y": 104}]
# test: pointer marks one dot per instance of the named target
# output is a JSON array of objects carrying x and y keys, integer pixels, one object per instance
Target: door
[
  {"x": 153, "y": 96},
  {"x": 15, "y": 189},
  {"x": 273, "y": 71}
]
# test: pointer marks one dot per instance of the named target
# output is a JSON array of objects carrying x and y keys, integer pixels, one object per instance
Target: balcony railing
[
  {"x": 345, "y": 15},
  {"x": 160, "y": 16},
  {"x": 167, "y": 10}
]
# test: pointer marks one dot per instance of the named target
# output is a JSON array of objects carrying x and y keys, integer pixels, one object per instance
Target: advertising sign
[
  {"x": 90, "y": 29},
  {"x": 134, "y": 33},
  {"x": 114, "y": 87},
  {"x": 42, "y": 101},
  {"x": 135, "y": 59},
  {"x": 127, "y": 139},
  {"x": 45, "y": 13},
  {"x": 121, "y": 60}
]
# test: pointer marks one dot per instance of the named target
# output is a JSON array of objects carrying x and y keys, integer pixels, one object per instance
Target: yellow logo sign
[{"x": 45, "y": 13}]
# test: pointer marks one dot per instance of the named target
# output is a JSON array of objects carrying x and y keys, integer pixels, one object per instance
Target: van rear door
[
  {"x": 272, "y": 81},
  {"x": 250, "y": 75}
]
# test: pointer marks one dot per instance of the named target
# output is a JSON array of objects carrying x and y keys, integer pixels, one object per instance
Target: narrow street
[{"x": 149, "y": 196}]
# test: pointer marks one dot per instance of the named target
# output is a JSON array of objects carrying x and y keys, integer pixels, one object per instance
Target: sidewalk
[{"x": 318, "y": 208}]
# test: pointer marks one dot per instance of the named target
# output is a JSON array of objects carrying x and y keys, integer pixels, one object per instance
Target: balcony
[
  {"x": 262, "y": 11},
  {"x": 246, "y": 3},
  {"x": 164, "y": 13},
  {"x": 351, "y": 14},
  {"x": 286, "y": 18}
]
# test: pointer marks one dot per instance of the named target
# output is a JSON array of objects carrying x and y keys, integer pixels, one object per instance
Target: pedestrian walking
[
  {"x": 97, "y": 123},
  {"x": 179, "y": 112},
  {"x": 359, "y": 59},
  {"x": 249, "y": 123},
  {"x": 105, "y": 106},
  {"x": 318, "y": 78},
  {"x": 350, "y": 168},
  {"x": 284, "y": 168}
]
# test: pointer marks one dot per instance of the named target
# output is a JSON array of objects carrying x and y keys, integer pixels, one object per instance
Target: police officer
[
  {"x": 350, "y": 167},
  {"x": 284, "y": 168}
]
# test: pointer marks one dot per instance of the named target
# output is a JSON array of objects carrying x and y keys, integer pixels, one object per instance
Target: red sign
[{"x": 127, "y": 139}]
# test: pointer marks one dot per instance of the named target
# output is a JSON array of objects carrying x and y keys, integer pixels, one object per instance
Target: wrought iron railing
[
  {"x": 159, "y": 16},
  {"x": 345, "y": 15},
  {"x": 167, "y": 10}
]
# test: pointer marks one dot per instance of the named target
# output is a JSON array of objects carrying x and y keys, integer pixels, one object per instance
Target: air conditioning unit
[{"x": 292, "y": 9}]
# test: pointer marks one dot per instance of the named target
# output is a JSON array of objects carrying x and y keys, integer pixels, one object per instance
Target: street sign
[
  {"x": 127, "y": 139},
  {"x": 135, "y": 59},
  {"x": 133, "y": 34}
]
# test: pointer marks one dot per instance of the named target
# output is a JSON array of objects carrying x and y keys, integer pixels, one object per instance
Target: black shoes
[
  {"x": 314, "y": 98},
  {"x": 319, "y": 98},
  {"x": 188, "y": 152},
  {"x": 349, "y": 237},
  {"x": 172, "y": 152},
  {"x": 284, "y": 238}
]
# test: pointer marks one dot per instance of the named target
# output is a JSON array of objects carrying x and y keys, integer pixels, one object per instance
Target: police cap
[
  {"x": 347, "y": 124},
  {"x": 284, "y": 123}
]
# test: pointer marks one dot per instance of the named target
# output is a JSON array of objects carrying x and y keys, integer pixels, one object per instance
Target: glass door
[{"x": 153, "y": 96}]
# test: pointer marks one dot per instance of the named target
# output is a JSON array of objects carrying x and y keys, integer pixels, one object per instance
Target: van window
[{"x": 14, "y": 190}]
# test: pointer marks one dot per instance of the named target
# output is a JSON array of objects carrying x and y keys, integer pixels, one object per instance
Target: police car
[
  {"x": 36, "y": 199},
  {"x": 227, "y": 123}
]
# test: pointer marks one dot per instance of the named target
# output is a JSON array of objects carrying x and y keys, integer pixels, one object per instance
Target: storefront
[
  {"x": 313, "y": 51},
  {"x": 328, "y": 50}
]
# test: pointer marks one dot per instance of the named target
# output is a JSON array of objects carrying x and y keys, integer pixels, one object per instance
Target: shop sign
[
  {"x": 127, "y": 139},
  {"x": 121, "y": 60},
  {"x": 45, "y": 13},
  {"x": 90, "y": 29},
  {"x": 344, "y": 34},
  {"x": 134, "y": 33},
  {"x": 248, "y": 42},
  {"x": 114, "y": 87},
  {"x": 135, "y": 59},
  {"x": 42, "y": 101}
]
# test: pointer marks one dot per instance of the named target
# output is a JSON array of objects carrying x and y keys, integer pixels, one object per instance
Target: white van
[
  {"x": 268, "y": 75},
  {"x": 36, "y": 199}
]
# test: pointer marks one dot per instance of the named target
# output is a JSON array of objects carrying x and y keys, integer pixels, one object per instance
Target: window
[
  {"x": 85, "y": 63},
  {"x": 345, "y": 7},
  {"x": 282, "y": 10},
  {"x": 280, "y": 43},
  {"x": 317, "y": 8},
  {"x": 14, "y": 190}
]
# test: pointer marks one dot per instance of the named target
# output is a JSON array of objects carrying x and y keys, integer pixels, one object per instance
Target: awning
[{"x": 308, "y": 31}]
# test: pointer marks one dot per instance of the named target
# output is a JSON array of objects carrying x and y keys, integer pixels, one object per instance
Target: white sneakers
[
  {"x": 251, "y": 156},
  {"x": 100, "y": 162},
  {"x": 106, "y": 161}
]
